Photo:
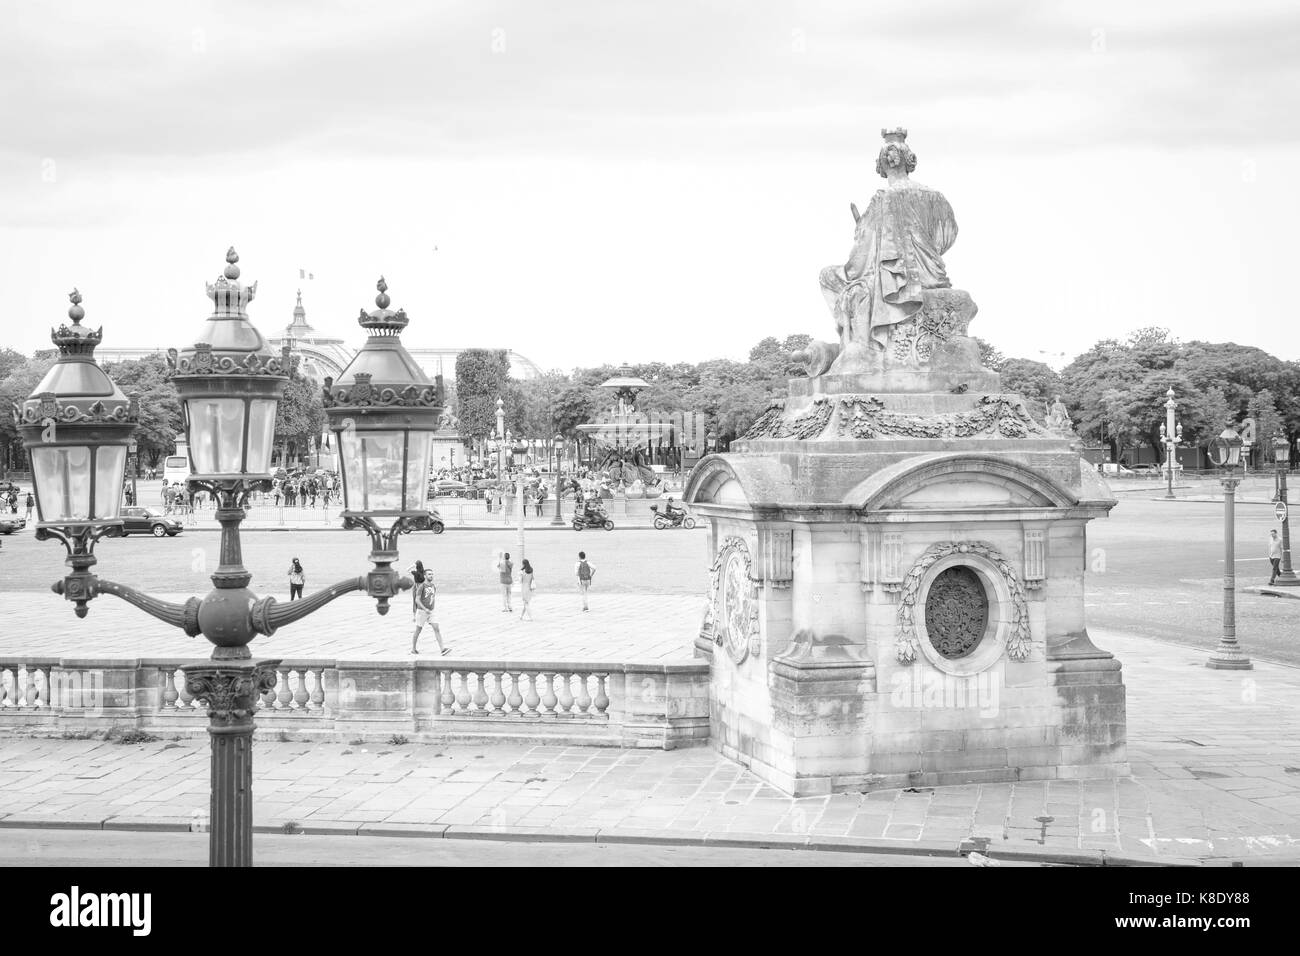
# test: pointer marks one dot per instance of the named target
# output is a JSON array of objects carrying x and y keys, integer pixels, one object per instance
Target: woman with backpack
[
  {"x": 297, "y": 580},
  {"x": 585, "y": 573}
]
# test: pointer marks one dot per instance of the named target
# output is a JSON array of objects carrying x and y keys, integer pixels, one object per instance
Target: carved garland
[
  {"x": 204, "y": 361},
  {"x": 96, "y": 414},
  {"x": 363, "y": 393},
  {"x": 1019, "y": 640}
]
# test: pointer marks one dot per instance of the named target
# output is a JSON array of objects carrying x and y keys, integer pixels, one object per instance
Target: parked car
[
  {"x": 1113, "y": 469},
  {"x": 1147, "y": 471},
  {"x": 449, "y": 487},
  {"x": 149, "y": 521},
  {"x": 10, "y": 523}
]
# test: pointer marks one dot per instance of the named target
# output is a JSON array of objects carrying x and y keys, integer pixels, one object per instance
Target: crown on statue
[
  {"x": 895, "y": 135},
  {"x": 76, "y": 339},
  {"x": 228, "y": 296}
]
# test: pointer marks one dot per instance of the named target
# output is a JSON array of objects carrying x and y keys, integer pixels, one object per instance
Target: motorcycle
[
  {"x": 678, "y": 520},
  {"x": 591, "y": 519},
  {"x": 436, "y": 524}
]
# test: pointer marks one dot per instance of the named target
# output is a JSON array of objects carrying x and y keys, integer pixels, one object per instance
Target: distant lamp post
[
  {"x": 1171, "y": 435},
  {"x": 133, "y": 463},
  {"x": 519, "y": 449},
  {"x": 1226, "y": 453},
  {"x": 559, "y": 479},
  {"x": 1282, "y": 459}
]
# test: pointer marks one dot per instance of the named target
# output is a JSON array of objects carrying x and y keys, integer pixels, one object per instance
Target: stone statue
[
  {"x": 897, "y": 255},
  {"x": 1058, "y": 418},
  {"x": 448, "y": 420}
]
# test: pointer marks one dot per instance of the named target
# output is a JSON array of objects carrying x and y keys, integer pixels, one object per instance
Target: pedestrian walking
[
  {"x": 585, "y": 573},
  {"x": 423, "y": 596},
  {"x": 541, "y": 498},
  {"x": 526, "y": 588},
  {"x": 505, "y": 572},
  {"x": 1274, "y": 555},
  {"x": 31, "y": 503},
  {"x": 297, "y": 579}
]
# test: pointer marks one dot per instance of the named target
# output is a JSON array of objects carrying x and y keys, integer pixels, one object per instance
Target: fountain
[{"x": 622, "y": 438}]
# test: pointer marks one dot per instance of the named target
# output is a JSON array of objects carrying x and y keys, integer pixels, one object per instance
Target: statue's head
[{"x": 895, "y": 154}]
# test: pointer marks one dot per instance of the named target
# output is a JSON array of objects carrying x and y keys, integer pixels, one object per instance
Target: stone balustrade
[{"x": 610, "y": 704}]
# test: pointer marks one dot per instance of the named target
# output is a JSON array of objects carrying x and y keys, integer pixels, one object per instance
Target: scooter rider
[{"x": 672, "y": 512}]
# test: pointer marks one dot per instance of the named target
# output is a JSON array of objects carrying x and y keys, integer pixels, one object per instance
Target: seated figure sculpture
[{"x": 897, "y": 256}]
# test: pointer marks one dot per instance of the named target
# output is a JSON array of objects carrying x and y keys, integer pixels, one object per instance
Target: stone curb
[
  {"x": 1271, "y": 591},
  {"x": 627, "y": 835}
]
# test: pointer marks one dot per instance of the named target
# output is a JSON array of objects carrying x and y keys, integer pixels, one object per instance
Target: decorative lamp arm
[
  {"x": 269, "y": 616},
  {"x": 185, "y": 616}
]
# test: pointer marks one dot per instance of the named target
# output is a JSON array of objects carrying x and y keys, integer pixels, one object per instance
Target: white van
[{"x": 177, "y": 467}]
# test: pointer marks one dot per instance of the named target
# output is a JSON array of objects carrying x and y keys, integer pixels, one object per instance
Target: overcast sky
[{"x": 604, "y": 181}]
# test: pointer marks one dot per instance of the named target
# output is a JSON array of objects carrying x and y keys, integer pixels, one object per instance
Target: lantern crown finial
[
  {"x": 76, "y": 339},
  {"x": 228, "y": 295},
  {"x": 383, "y": 321}
]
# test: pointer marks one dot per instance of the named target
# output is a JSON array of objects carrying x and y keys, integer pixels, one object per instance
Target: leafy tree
[
  {"x": 14, "y": 389},
  {"x": 482, "y": 376},
  {"x": 990, "y": 356},
  {"x": 1033, "y": 381},
  {"x": 1268, "y": 423},
  {"x": 9, "y": 361},
  {"x": 161, "y": 420},
  {"x": 300, "y": 418}
]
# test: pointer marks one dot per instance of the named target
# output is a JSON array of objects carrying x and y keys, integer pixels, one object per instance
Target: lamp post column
[
  {"x": 1287, "y": 577},
  {"x": 1229, "y": 656},
  {"x": 558, "y": 520},
  {"x": 1171, "y": 434}
]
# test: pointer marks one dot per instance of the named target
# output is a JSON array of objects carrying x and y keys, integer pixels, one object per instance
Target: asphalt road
[
  {"x": 1155, "y": 567},
  {"x": 144, "y": 848}
]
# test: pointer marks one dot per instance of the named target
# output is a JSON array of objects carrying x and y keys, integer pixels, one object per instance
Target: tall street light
[
  {"x": 558, "y": 520},
  {"x": 1171, "y": 435},
  {"x": 1226, "y": 452},
  {"x": 1282, "y": 458},
  {"x": 519, "y": 449},
  {"x": 76, "y": 426}
]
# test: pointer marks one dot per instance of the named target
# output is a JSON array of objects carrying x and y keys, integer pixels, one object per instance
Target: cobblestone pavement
[
  {"x": 636, "y": 628},
  {"x": 1215, "y": 758}
]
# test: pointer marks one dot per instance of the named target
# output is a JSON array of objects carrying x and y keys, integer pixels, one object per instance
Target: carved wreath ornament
[
  {"x": 731, "y": 617},
  {"x": 1017, "y": 641}
]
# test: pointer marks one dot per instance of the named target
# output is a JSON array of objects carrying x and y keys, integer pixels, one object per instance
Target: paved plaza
[{"x": 1215, "y": 758}]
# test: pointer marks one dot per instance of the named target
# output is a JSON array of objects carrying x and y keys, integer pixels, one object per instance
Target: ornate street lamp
[
  {"x": 1171, "y": 435},
  {"x": 76, "y": 427},
  {"x": 558, "y": 520},
  {"x": 519, "y": 449},
  {"x": 229, "y": 383},
  {"x": 384, "y": 411},
  {"x": 1282, "y": 458},
  {"x": 1226, "y": 453}
]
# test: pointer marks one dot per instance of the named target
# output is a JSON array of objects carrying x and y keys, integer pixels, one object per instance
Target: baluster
[
  {"x": 531, "y": 697},
  {"x": 498, "y": 695},
  {"x": 29, "y": 696},
  {"x": 566, "y": 695},
  {"x": 40, "y": 689},
  {"x": 7, "y": 681},
  {"x": 480, "y": 696},
  {"x": 268, "y": 699},
  {"x": 584, "y": 698},
  {"x": 187, "y": 699},
  {"x": 516, "y": 699},
  {"x": 169, "y": 694},
  {"x": 285, "y": 697},
  {"x": 548, "y": 696},
  {"x": 448, "y": 697},
  {"x": 601, "y": 700},
  {"x": 300, "y": 696},
  {"x": 462, "y": 693},
  {"x": 317, "y": 702}
]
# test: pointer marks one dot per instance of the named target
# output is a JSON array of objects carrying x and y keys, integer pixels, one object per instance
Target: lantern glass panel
[
  {"x": 417, "y": 471},
  {"x": 62, "y": 478},
  {"x": 373, "y": 467},
  {"x": 110, "y": 472},
  {"x": 261, "y": 434},
  {"x": 216, "y": 433}
]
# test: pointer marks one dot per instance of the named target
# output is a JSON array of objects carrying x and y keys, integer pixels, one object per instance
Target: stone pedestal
[{"x": 898, "y": 591}]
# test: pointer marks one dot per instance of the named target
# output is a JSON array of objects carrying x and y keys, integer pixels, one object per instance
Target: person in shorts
[
  {"x": 1274, "y": 555},
  {"x": 506, "y": 575},
  {"x": 585, "y": 571},
  {"x": 526, "y": 589},
  {"x": 425, "y": 594}
]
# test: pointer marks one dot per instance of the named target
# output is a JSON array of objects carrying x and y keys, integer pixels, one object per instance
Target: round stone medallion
[
  {"x": 956, "y": 612},
  {"x": 736, "y": 604}
]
